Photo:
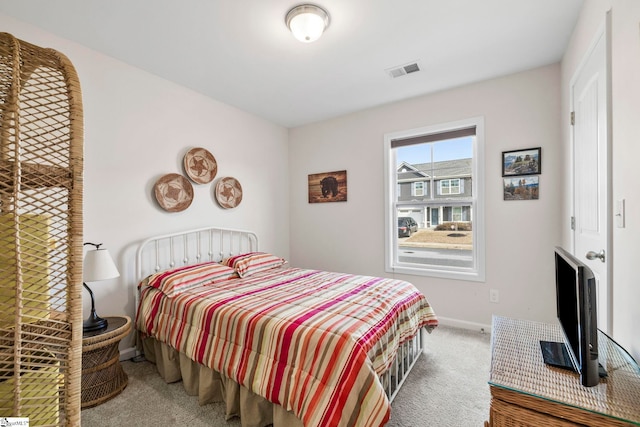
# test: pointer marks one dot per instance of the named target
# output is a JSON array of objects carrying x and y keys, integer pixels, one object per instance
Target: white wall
[
  {"x": 520, "y": 111},
  {"x": 625, "y": 98},
  {"x": 137, "y": 128}
]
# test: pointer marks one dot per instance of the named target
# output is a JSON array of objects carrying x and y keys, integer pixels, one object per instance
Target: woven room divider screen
[{"x": 41, "y": 166}]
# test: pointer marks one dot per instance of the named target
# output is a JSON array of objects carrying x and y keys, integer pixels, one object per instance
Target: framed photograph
[
  {"x": 328, "y": 187},
  {"x": 521, "y": 188},
  {"x": 522, "y": 162}
]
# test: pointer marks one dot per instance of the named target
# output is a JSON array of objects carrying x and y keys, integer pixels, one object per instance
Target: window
[
  {"x": 418, "y": 189},
  {"x": 441, "y": 168},
  {"x": 456, "y": 214},
  {"x": 450, "y": 186}
]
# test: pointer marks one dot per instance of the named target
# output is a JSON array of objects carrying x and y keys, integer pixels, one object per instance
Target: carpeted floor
[{"x": 447, "y": 387}]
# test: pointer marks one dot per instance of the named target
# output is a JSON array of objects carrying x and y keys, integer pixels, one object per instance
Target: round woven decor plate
[
  {"x": 173, "y": 192},
  {"x": 228, "y": 192},
  {"x": 200, "y": 165}
]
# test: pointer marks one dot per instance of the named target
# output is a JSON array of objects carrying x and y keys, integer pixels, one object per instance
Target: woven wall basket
[{"x": 41, "y": 161}]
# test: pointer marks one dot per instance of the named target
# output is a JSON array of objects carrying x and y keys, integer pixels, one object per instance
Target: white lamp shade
[
  {"x": 98, "y": 265},
  {"x": 307, "y": 22}
]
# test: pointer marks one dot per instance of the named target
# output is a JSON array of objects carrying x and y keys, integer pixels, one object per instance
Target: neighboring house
[{"x": 431, "y": 190}]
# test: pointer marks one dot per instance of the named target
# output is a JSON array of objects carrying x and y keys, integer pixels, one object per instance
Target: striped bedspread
[{"x": 311, "y": 341}]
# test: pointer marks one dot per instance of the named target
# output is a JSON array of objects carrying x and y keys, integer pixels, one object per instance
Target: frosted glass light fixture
[{"x": 307, "y": 22}]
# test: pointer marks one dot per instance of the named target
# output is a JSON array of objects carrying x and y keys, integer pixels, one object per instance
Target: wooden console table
[{"x": 526, "y": 392}]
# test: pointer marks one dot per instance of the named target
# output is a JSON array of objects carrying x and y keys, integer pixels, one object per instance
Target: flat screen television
[{"x": 577, "y": 315}]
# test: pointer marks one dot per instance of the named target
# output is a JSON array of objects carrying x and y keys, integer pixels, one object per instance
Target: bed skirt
[{"x": 210, "y": 386}]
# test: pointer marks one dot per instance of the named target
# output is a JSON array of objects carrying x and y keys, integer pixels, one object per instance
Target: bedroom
[{"x": 151, "y": 134}]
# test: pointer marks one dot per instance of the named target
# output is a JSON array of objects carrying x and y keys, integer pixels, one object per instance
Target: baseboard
[
  {"x": 128, "y": 353},
  {"x": 474, "y": 326}
]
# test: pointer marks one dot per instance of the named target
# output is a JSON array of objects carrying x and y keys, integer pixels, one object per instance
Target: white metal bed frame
[
  {"x": 167, "y": 251},
  {"x": 199, "y": 245}
]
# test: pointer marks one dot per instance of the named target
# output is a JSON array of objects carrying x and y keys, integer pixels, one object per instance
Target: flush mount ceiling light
[{"x": 307, "y": 22}]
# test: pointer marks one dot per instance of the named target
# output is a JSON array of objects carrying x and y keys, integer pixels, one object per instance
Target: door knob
[{"x": 593, "y": 255}]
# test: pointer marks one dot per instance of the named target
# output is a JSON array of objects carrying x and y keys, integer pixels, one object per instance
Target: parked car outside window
[
  {"x": 406, "y": 226},
  {"x": 412, "y": 224}
]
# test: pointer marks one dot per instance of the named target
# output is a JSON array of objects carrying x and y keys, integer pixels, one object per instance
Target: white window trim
[{"x": 477, "y": 189}]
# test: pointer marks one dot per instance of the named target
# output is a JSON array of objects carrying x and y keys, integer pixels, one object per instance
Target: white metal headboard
[{"x": 163, "y": 252}]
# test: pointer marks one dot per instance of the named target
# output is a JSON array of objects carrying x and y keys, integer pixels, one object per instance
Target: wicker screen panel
[{"x": 41, "y": 165}]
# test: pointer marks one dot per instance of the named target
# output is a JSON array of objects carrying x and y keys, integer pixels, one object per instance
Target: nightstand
[{"x": 102, "y": 375}]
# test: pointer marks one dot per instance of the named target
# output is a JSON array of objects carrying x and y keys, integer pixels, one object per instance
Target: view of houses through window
[
  {"x": 432, "y": 179},
  {"x": 434, "y": 203}
]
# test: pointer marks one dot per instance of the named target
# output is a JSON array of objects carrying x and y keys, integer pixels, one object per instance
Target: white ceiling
[{"x": 241, "y": 53}]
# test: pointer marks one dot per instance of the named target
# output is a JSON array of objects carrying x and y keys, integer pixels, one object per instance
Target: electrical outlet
[{"x": 494, "y": 296}]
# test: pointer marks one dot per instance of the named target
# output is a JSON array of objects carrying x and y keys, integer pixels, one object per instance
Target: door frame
[{"x": 603, "y": 32}]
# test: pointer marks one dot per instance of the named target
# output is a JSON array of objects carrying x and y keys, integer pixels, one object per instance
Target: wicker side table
[{"x": 102, "y": 375}]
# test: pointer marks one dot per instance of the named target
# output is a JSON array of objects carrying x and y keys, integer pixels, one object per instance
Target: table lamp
[{"x": 97, "y": 265}]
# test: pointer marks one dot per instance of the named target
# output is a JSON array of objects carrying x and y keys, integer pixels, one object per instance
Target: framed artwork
[
  {"x": 521, "y": 188},
  {"x": 328, "y": 187},
  {"x": 521, "y": 162}
]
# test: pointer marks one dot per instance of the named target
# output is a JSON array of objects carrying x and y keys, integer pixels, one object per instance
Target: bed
[{"x": 279, "y": 345}]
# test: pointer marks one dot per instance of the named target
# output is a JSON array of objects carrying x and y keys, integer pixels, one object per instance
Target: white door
[{"x": 589, "y": 97}]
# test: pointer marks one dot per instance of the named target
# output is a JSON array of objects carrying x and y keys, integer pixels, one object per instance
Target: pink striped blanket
[{"x": 311, "y": 341}]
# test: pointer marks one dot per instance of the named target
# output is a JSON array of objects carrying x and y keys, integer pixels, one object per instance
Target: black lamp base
[{"x": 94, "y": 323}]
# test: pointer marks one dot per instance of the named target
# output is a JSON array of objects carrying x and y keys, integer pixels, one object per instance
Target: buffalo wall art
[{"x": 328, "y": 187}]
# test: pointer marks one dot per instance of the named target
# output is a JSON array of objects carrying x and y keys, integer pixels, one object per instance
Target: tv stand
[{"x": 527, "y": 392}]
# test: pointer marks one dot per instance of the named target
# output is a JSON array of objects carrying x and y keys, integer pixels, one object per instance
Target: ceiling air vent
[{"x": 403, "y": 70}]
